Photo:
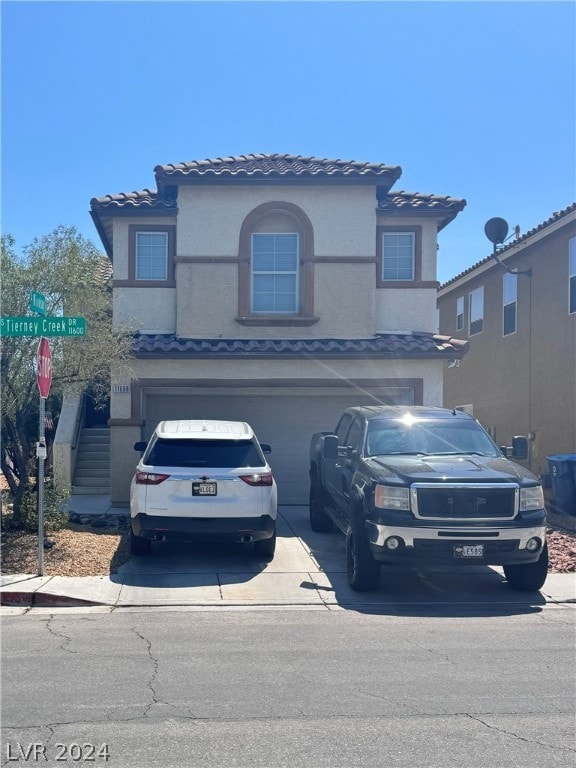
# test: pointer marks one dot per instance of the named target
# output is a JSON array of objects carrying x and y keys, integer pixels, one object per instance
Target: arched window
[{"x": 276, "y": 269}]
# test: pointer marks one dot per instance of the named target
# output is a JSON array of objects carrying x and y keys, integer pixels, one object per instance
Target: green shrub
[{"x": 55, "y": 515}]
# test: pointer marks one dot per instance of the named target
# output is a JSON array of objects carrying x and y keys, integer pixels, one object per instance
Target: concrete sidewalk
[{"x": 308, "y": 570}]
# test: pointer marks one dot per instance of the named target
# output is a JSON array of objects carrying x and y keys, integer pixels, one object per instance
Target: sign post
[{"x": 44, "y": 376}]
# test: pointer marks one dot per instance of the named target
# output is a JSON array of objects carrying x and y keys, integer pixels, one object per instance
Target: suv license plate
[
  {"x": 204, "y": 489},
  {"x": 468, "y": 550}
]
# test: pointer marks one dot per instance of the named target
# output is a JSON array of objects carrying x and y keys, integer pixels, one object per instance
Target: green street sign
[
  {"x": 42, "y": 326},
  {"x": 37, "y": 303}
]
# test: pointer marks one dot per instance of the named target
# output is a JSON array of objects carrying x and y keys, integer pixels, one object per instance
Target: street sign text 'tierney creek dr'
[{"x": 42, "y": 326}]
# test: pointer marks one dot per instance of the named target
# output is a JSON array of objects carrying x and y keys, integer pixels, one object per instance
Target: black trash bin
[{"x": 563, "y": 473}]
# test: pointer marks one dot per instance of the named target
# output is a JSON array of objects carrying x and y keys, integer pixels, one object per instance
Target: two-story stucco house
[{"x": 274, "y": 289}]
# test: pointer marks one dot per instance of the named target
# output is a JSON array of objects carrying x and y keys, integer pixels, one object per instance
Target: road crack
[
  {"x": 513, "y": 735},
  {"x": 60, "y": 635}
]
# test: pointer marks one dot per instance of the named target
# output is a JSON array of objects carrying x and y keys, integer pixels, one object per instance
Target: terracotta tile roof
[
  {"x": 389, "y": 345},
  {"x": 143, "y": 200},
  {"x": 514, "y": 243},
  {"x": 274, "y": 166},
  {"x": 415, "y": 202}
]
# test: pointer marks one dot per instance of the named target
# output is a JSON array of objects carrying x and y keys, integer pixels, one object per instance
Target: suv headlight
[
  {"x": 531, "y": 498},
  {"x": 388, "y": 497}
]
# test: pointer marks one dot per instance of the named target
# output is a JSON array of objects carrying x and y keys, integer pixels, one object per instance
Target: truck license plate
[
  {"x": 204, "y": 489},
  {"x": 468, "y": 550}
]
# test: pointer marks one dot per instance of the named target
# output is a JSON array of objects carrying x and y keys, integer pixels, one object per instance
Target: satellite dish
[{"x": 496, "y": 230}]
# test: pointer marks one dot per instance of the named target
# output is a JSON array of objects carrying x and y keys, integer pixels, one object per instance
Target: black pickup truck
[{"x": 427, "y": 486}]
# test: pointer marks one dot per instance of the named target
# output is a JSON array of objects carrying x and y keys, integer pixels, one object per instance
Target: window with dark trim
[
  {"x": 276, "y": 267},
  {"x": 460, "y": 313},
  {"x": 572, "y": 275},
  {"x": 399, "y": 258},
  {"x": 476, "y": 311},
  {"x": 509, "y": 303},
  {"x": 151, "y": 256}
]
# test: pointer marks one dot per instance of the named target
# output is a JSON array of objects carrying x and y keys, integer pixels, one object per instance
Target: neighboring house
[
  {"x": 519, "y": 377},
  {"x": 275, "y": 289}
]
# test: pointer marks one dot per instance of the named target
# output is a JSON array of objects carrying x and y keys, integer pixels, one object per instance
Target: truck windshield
[{"x": 442, "y": 437}]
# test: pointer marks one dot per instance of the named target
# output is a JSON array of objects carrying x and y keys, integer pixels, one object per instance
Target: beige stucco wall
[
  {"x": 344, "y": 300},
  {"x": 210, "y": 219},
  {"x": 205, "y": 302},
  {"x": 150, "y": 310},
  {"x": 428, "y": 370},
  {"x": 405, "y": 309}
]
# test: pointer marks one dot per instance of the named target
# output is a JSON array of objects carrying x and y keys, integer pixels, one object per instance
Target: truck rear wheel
[
  {"x": 528, "y": 577},
  {"x": 363, "y": 570},
  {"x": 319, "y": 520}
]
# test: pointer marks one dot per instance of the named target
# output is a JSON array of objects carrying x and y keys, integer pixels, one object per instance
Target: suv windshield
[
  {"x": 439, "y": 438},
  {"x": 204, "y": 453}
]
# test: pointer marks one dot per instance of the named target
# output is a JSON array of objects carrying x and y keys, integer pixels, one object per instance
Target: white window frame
[
  {"x": 460, "y": 313},
  {"x": 572, "y": 276},
  {"x": 476, "y": 310},
  {"x": 137, "y": 257},
  {"x": 295, "y": 272},
  {"x": 412, "y": 236},
  {"x": 509, "y": 298}
]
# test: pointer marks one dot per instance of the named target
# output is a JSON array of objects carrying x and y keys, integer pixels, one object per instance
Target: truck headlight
[
  {"x": 531, "y": 498},
  {"x": 387, "y": 497}
]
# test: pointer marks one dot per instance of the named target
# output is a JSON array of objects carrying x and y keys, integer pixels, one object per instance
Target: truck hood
[{"x": 465, "y": 469}]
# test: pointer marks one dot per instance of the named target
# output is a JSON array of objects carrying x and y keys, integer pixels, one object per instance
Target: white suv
[{"x": 203, "y": 480}]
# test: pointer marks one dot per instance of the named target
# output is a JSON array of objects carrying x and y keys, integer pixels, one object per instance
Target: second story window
[
  {"x": 460, "y": 313},
  {"x": 476, "y": 319},
  {"x": 509, "y": 301},
  {"x": 275, "y": 272},
  {"x": 572, "y": 274},
  {"x": 398, "y": 256},
  {"x": 151, "y": 255}
]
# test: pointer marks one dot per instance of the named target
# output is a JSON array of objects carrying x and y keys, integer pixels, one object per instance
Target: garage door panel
[{"x": 287, "y": 423}]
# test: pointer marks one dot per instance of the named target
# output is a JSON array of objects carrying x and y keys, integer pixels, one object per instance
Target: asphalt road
[{"x": 215, "y": 688}]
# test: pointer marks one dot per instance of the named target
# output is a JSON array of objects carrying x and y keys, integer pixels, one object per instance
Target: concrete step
[
  {"x": 93, "y": 470},
  {"x": 90, "y": 490},
  {"x": 95, "y": 482}
]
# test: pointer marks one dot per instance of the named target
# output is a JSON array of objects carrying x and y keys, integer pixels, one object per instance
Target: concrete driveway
[{"x": 309, "y": 569}]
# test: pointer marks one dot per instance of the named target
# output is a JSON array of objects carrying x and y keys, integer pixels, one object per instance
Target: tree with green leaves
[{"x": 76, "y": 279}]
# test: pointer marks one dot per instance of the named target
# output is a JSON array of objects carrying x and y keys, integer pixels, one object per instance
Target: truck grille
[{"x": 473, "y": 501}]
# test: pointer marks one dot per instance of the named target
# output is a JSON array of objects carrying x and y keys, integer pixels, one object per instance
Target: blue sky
[{"x": 474, "y": 100}]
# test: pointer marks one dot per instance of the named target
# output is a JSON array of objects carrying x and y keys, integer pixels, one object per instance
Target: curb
[{"x": 42, "y": 599}]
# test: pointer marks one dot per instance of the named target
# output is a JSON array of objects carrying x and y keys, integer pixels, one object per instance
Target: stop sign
[{"x": 44, "y": 362}]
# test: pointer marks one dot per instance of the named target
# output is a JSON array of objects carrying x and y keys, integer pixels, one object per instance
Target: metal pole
[{"x": 41, "y": 459}]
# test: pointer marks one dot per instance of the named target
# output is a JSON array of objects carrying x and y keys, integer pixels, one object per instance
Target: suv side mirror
[
  {"x": 520, "y": 447},
  {"x": 140, "y": 446},
  {"x": 265, "y": 448},
  {"x": 330, "y": 447}
]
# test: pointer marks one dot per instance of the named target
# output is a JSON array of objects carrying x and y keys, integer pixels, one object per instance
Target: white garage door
[{"x": 287, "y": 423}]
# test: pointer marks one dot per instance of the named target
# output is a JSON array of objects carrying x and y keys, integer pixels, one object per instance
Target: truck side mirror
[
  {"x": 140, "y": 447},
  {"x": 330, "y": 447},
  {"x": 520, "y": 447}
]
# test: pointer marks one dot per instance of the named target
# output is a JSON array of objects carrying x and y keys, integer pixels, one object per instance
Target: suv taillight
[
  {"x": 265, "y": 479},
  {"x": 149, "y": 478}
]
